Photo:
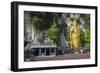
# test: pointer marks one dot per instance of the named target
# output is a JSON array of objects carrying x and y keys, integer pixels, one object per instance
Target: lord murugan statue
[{"x": 74, "y": 35}]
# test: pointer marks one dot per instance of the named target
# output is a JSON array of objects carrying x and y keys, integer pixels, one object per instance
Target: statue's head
[{"x": 74, "y": 23}]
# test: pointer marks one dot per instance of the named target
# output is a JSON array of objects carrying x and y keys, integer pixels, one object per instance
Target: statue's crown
[{"x": 74, "y": 22}]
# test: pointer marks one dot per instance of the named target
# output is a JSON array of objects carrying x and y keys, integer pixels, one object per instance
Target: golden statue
[{"x": 74, "y": 35}]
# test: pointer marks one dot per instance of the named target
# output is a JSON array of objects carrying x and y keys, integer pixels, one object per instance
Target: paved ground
[{"x": 62, "y": 57}]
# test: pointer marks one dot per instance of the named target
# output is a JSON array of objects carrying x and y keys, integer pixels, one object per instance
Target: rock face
[
  {"x": 60, "y": 21},
  {"x": 61, "y": 24},
  {"x": 27, "y": 28}
]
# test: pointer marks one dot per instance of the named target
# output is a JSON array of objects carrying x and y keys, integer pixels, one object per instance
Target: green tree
[
  {"x": 87, "y": 39},
  {"x": 52, "y": 33}
]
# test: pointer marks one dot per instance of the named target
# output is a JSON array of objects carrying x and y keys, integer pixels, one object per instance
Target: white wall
[{"x": 5, "y": 17}]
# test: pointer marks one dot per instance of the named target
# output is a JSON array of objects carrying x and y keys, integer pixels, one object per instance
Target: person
[{"x": 74, "y": 35}]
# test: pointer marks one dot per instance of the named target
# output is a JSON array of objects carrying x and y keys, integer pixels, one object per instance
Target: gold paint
[{"x": 74, "y": 35}]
